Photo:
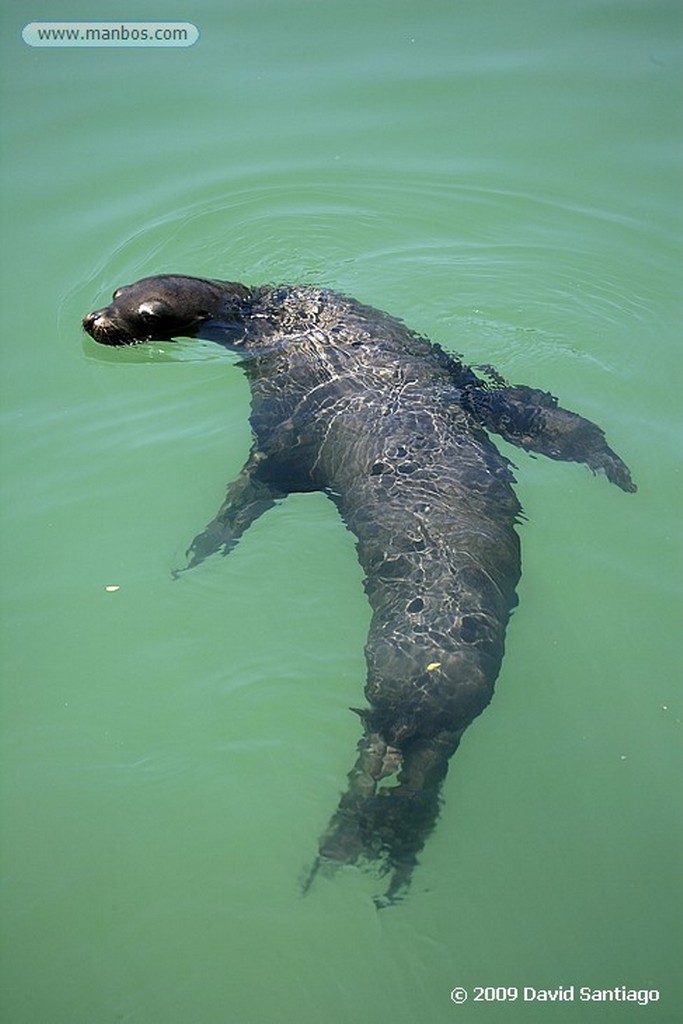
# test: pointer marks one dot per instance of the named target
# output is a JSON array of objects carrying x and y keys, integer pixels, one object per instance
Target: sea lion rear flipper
[
  {"x": 248, "y": 497},
  {"x": 533, "y": 420},
  {"x": 387, "y": 824}
]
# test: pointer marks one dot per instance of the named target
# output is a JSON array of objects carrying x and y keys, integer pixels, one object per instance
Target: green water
[{"x": 507, "y": 178}]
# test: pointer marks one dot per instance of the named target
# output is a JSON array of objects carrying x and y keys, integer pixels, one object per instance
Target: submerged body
[{"x": 348, "y": 401}]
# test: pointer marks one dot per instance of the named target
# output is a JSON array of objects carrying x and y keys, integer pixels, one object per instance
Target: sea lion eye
[{"x": 150, "y": 310}]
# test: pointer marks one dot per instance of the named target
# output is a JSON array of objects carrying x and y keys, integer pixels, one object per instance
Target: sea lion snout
[
  {"x": 105, "y": 329},
  {"x": 90, "y": 321}
]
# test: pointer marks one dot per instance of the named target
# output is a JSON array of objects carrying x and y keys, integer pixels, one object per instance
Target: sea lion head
[{"x": 169, "y": 306}]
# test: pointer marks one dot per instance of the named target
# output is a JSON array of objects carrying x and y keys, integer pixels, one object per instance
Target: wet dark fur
[{"x": 349, "y": 401}]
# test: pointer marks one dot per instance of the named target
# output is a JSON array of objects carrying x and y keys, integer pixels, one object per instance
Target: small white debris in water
[
  {"x": 112, "y": 588},
  {"x": 433, "y": 665}
]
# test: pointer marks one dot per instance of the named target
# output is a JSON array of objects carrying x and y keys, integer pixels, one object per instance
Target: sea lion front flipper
[
  {"x": 533, "y": 420},
  {"x": 248, "y": 497}
]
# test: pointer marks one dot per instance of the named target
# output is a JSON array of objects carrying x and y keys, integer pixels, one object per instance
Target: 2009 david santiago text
[{"x": 561, "y": 994}]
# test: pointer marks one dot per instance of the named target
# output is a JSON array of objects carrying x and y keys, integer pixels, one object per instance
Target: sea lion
[{"x": 349, "y": 401}]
